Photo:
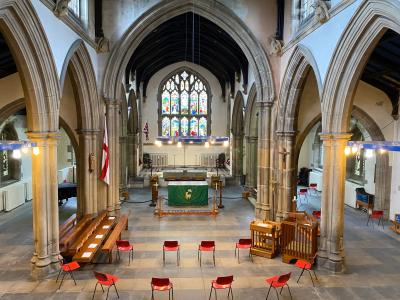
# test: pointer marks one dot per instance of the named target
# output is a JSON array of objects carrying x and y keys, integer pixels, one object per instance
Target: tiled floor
[{"x": 373, "y": 258}]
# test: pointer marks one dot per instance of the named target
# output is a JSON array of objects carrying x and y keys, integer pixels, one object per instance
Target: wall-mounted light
[
  {"x": 16, "y": 154},
  {"x": 179, "y": 144},
  {"x": 207, "y": 144},
  {"x": 347, "y": 150},
  {"x": 354, "y": 149},
  {"x": 226, "y": 143},
  {"x": 35, "y": 151},
  {"x": 369, "y": 153}
]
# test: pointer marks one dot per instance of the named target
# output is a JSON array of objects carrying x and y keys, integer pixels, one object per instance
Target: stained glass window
[
  {"x": 184, "y": 104},
  {"x": 307, "y": 8},
  {"x": 75, "y": 7}
]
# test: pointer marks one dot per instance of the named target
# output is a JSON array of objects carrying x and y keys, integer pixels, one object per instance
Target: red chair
[
  {"x": 312, "y": 187},
  {"x": 278, "y": 282},
  {"x": 243, "y": 244},
  {"x": 317, "y": 214},
  {"x": 376, "y": 214},
  {"x": 302, "y": 192},
  {"x": 207, "y": 246},
  {"x": 124, "y": 246},
  {"x": 172, "y": 246},
  {"x": 107, "y": 280},
  {"x": 67, "y": 268},
  {"x": 306, "y": 266},
  {"x": 162, "y": 284},
  {"x": 222, "y": 283}
]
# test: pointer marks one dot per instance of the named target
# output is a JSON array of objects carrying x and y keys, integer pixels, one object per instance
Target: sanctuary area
[{"x": 195, "y": 149}]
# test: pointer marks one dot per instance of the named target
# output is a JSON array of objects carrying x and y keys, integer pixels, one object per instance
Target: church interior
[{"x": 195, "y": 149}]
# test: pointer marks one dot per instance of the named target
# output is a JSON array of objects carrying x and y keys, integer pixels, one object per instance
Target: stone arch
[
  {"x": 24, "y": 34},
  {"x": 27, "y": 41},
  {"x": 251, "y": 137},
  {"x": 237, "y": 137},
  {"x": 300, "y": 64},
  {"x": 382, "y": 184},
  {"x": 79, "y": 64},
  {"x": 358, "y": 41},
  {"x": 212, "y": 10}
]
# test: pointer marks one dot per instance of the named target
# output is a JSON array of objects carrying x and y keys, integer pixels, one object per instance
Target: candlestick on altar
[{"x": 220, "y": 205}]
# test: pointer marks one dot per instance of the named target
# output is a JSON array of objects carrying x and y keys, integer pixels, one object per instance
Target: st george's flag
[{"x": 105, "y": 167}]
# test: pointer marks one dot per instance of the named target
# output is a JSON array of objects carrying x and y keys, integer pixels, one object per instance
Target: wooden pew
[
  {"x": 70, "y": 237},
  {"x": 115, "y": 235},
  {"x": 89, "y": 248},
  {"x": 85, "y": 234},
  {"x": 67, "y": 226}
]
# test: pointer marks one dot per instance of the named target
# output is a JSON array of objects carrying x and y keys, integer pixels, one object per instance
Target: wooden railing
[
  {"x": 264, "y": 239},
  {"x": 298, "y": 239}
]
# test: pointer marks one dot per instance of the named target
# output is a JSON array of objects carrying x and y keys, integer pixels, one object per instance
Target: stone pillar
[
  {"x": 123, "y": 183},
  {"x": 45, "y": 199},
  {"x": 113, "y": 203},
  {"x": 264, "y": 145},
  {"x": 132, "y": 155},
  {"x": 331, "y": 253},
  {"x": 382, "y": 184},
  {"x": 88, "y": 171},
  {"x": 140, "y": 136},
  {"x": 237, "y": 158},
  {"x": 286, "y": 170},
  {"x": 251, "y": 163}
]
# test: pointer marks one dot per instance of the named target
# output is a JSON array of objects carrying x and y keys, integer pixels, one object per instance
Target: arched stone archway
[
  {"x": 300, "y": 65},
  {"x": 79, "y": 66},
  {"x": 251, "y": 137},
  {"x": 27, "y": 41},
  {"x": 358, "y": 41},
  {"x": 237, "y": 137},
  {"x": 251, "y": 47}
]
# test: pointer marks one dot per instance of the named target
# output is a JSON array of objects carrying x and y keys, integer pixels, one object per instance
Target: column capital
[
  {"x": 336, "y": 136},
  {"x": 290, "y": 134},
  {"x": 88, "y": 131},
  {"x": 251, "y": 139},
  {"x": 43, "y": 135},
  {"x": 264, "y": 104}
]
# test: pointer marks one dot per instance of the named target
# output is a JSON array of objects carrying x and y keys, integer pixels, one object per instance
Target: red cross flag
[{"x": 105, "y": 168}]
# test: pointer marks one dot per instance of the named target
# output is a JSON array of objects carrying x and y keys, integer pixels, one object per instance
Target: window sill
[{"x": 8, "y": 182}]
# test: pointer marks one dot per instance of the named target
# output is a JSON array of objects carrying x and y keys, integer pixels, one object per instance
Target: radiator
[
  {"x": 13, "y": 196},
  {"x": 159, "y": 159}
]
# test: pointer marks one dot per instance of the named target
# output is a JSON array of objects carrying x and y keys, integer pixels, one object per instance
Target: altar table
[{"x": 188, "y": 193}]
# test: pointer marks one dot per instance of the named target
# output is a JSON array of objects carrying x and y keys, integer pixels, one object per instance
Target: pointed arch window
[{"x": 184, "y": 105}]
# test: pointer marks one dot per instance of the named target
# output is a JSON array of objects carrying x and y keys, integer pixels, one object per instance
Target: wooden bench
[
  {"x": 89, "y": 248},
  {"x": 115, "y": 235},
  {"x": 67, "y": 226},
  {"x": 68, "y": 238},
  {"x": 86, "y": 233}
]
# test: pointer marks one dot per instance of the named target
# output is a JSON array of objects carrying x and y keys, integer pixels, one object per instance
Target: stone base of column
[
  {"x": 40, "y": 273},
  {"x": 40, "y": 262},
  {"x": 263, "y": 213},
  {"x": 336, "y": 266}
]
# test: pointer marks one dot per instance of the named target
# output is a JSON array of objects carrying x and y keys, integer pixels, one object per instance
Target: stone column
[
  {"x": 382, "y": 184},
  {"x": 237, "y": 157},
  {"x": 331, "y": 253},
  {"x": 251, "y": 162},
  {"x": 123, "y": 162},
  {"x": 88, "y": 171},
  {"x": 45, "y": 199},
  {"x": 113, "y": 203},
  {"x": 286, "y": 170},
  {"x": 264, "y": 145},
  {"x": 132, "y": 155},
  {"x": 140, "y": 136}
]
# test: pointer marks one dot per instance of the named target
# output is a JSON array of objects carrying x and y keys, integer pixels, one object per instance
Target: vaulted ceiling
[
  {"x": 383, "y": 68},
  {"x": 188, "y": 37},
  {"x": 7, "y": 64}
]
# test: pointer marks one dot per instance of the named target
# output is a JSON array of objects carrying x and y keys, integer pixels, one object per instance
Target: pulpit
[{"x": 264, "y": 238}]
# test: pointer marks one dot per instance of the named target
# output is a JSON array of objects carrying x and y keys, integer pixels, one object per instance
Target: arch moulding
[
  {"x": 213, "y": 11},
  {"x": 357, "y": 42}
]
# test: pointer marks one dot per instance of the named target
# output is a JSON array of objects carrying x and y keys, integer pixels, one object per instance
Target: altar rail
[
  {"x": 208, "y": 159},
  {"x": 159, "y": 159}
]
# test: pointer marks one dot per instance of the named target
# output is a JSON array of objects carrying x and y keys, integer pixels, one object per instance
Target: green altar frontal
[{"x": 188, "y": 193}]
